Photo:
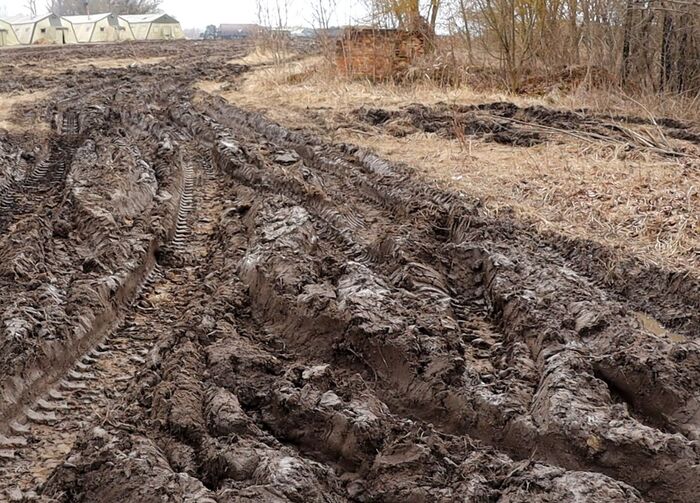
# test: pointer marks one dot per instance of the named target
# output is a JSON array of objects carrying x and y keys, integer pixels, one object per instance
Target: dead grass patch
[
  {"x": 114, "y": 63},
  {"x": 9, "y": 102},
  {"x": 647, "y": 205},
  {"x": 683, "y": 108},
  {"x": 261, "y": 56},
  {"x": 310, "y": 82},
  {"x": 639, "y": 203}
]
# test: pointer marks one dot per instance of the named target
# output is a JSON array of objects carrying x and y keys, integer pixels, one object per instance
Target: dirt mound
[{"x": 506, "y": 123}]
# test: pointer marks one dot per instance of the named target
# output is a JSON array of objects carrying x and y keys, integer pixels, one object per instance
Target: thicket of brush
[
  {"x": 640, "y": 45},
  {"x": 607, "y": 54}
]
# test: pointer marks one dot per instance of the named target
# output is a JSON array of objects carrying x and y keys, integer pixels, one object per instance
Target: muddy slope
[
  {"x": 86, "y": 210},
  {"x": 317, "y": 324},
  {"x": 241, "y": 398},
  {"x": 367, "y": 321},
  {"x": 670, "y": 296}
]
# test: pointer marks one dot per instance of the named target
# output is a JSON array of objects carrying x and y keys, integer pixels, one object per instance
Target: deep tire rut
[{"x": 44, "y": 433}]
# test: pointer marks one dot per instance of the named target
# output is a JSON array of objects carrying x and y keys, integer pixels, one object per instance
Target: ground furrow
[{"x": 42, "y": 434}]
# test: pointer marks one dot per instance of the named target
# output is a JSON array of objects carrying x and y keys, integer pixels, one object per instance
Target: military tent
[
  {"x": 7, "y": 34},
  {"x": 98, "y": 28},
  {"x": 153, "y": 26},
  {"x": 48, "y": 29}
]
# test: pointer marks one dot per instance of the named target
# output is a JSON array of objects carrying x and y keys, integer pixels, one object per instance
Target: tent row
[{"x": 53, "y": 29}]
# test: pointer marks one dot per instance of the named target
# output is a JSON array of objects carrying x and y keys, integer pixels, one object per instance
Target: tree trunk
[
  {"x": 626, "y": 42},
  {"x": 666, "y": 57},
  {"x": 467, "y": 33},
  {"x": 434, "y": 8}
]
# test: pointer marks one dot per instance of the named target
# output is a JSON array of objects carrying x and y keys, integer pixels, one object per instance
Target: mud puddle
[{"x": 651, "y": 325}]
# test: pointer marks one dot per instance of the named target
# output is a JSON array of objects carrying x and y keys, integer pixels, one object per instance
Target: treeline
[
  {"x": 78, "y": 7},
  {"x": 652, "y": 44}
]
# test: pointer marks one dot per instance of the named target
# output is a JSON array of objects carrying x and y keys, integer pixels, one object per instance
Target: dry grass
[
  {"x": 112, "y": 63},
  {"x": 650, "y": 206},
  {"x": 262, "y": 56},
  {"x": 9, "y": 102},
  {"x": 643, "y": 203},
  {"x": 684, "y": 108},
  {"x": 311, "y": 83}
]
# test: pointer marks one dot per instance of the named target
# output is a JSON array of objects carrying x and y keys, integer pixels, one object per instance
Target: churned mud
[
  {"x": 214, "y": 308},
  {"x": 509, "y": 124}
]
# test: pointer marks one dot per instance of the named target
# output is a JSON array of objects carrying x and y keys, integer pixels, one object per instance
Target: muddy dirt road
[{"x": 201, "y": 305}]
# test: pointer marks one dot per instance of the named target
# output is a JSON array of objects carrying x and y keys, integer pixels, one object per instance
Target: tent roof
[
  {"x": 32, "y": 20},
  {"x": 148, "y": 18},
  {"x": 92, "y": 18}
]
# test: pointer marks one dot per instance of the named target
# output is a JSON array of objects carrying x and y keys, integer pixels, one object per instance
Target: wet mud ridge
[
  {"x": 509, "y": 124},
  {"x": 215, "y": 308}
]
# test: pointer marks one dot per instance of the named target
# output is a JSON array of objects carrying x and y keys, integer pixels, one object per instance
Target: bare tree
[
  {"x": 462, "y": 18},
  {"x": 510, "y": 26},
  {"x": 31, "y": 7},
  {"x": 71, "y": 7},
  {"x": 322, "y": 12},
  {"x": 273, "y": 15},
  {"x": 411, "y": 14},
  {"x": 650, "y": 44},
  {"x": 433, "y": 13},
  {"x": 54, "y": 6}
]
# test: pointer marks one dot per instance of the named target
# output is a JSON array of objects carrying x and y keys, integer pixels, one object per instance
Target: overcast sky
[{"x": 199, "y": 13}]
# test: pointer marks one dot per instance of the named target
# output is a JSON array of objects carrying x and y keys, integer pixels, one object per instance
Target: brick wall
[{"x": 378, "y": 54}]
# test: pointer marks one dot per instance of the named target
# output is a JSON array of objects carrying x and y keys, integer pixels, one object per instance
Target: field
[{"x": 225, "y": 279}]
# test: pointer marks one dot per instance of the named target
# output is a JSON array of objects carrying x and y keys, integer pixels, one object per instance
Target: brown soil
[
  {"x": 201, "y": 305},
  {"x": 506, "y": 123}
]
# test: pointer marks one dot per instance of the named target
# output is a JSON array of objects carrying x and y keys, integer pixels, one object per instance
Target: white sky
[{"x": 199, "y": 13}]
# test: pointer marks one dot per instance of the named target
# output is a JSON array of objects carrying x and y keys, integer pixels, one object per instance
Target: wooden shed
[
  {"x": 7, "y": 34},
  {"x": 377, "y": 53},
  {"x": 48, "y": 29},
  {"x": 97, "y": 28}
]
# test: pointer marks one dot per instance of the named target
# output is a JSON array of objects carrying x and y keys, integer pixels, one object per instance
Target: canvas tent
[
  {"x": 152, "y": 27},
  {"x": 48, "y": 29},
  {"x": 7, "y": 34},
  {"x": 98, "y": 28}
]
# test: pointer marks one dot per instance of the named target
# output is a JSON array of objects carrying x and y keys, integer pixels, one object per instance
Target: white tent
[
  {"x": 7, "y": 34},
  {"x": 152, "y": 27},
  {"x": 48, "y": 29},
  {"x": 98, "y": 28}
]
